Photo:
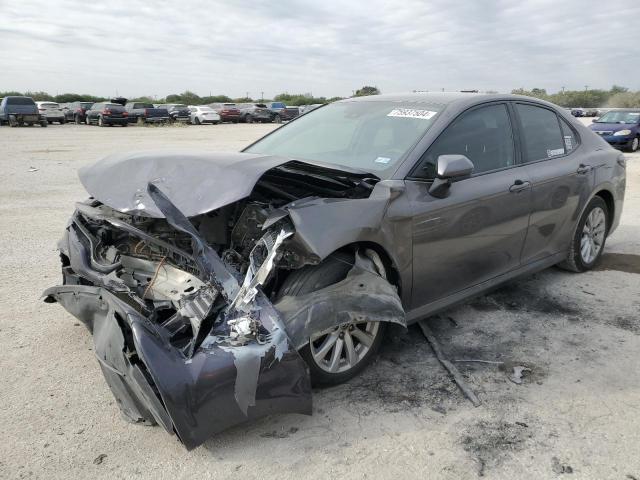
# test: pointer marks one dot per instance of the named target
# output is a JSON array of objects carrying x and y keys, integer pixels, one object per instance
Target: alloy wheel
[
  {"x": 343, "y": 347},
  {"x": 593, "y": 234}
]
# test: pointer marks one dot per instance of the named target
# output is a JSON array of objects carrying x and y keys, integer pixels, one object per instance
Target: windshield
[
  {"x": 619, "y": 117},
  {"x": 371, "y": 136},
  {"x": 206, "y": 109}
]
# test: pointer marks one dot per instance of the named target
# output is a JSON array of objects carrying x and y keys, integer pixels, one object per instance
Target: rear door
[
  {"x": 562, "y": 179},
  {"x": 477, "y": 232}
]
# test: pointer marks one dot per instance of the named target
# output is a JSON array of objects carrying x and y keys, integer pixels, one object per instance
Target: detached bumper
[{"x": 221, "y": 385}]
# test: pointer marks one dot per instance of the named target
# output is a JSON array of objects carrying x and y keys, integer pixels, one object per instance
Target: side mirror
[{"x": 448, "y": 169}]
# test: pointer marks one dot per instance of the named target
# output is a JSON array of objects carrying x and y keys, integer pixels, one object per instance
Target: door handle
[
  {"x": 583, "y": 169},
  {"x": 519, "y": 186}
]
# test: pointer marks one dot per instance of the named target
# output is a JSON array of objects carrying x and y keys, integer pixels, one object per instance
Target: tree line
[{"x": 616, "y": 96}]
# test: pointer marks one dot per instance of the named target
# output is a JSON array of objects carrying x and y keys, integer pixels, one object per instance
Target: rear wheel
[
  {"x": 77, "y": 120},
  {"x": 339, "y": 353},
  {"x": 277, "y": 119},
  {"x": 589, "y": 239},
  {"x": 101, "y": 121}
]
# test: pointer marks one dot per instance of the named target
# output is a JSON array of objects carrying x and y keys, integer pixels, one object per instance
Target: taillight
[
  {"x": 42, "y": 109},
  {"x": 125, "y": 114},
  {"x": 145, "y": 112},
  {"x": 106, "y": 111}
]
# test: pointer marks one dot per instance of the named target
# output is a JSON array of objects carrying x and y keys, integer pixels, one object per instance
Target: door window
[
  {"x": 483, "y": 135},
  {"x": 543, "y": 137}
]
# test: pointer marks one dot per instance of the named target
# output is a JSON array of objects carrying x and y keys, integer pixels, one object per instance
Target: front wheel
[
  {"x": 341, "y": 352},
  {"x": 589, "y": 239},
  {"x": 634, "y": 144}
]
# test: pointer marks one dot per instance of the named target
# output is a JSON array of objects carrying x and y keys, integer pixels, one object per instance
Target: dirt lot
[{"x": 577, "y": 412}]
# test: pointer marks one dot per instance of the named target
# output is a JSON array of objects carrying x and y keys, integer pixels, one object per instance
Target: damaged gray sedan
[{"x": 219, "y": 287}]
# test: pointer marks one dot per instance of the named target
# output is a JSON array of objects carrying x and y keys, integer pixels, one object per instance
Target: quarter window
[
  {"x": 483, "y": 135},
  {"x": 543, "y": 137},
  {"x": 570, "y": 141}
]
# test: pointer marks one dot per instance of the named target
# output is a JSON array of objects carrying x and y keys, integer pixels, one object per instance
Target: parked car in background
[
  {"x": 178, "y": 112},
  {"x": 591, "y": 112},
  {"x": 106, "y": 115},
  {"x": 577, "y": 112},
  {"x": 619, "y": 128},
  {"x": 281, "y": 112},
  {"x": 76, "y": 111},
  {"x": 254, "y": 112},
  {"x": 51, "y": 111},
  {"x": 16, "y": 111},
  {"x": 141, "y": 113},
  {"x": 229, "y": 112},
  {"x": 201, "y": 114}
]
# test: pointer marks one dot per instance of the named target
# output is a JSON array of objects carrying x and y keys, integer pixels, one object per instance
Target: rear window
[
  {"x": 50, "y": 105},
  {"x": 277, "y": 105},
  {"x": 114, "y": 106},
  {"x": 86, "y": 105},
  {"x": 20, "y": 101}
]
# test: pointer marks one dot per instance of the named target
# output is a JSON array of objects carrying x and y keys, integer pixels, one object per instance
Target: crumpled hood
[{"x": 196, "y": 182}]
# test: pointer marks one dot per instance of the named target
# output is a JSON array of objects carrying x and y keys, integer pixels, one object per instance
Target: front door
[{"x": 477, "y": 232}]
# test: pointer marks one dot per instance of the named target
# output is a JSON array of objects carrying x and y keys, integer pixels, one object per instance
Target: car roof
[{"x": 442, "y": 98}]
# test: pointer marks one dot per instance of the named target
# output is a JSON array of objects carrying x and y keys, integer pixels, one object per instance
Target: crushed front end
[
  {"x": 179, "y": 300},
  {"x": 181, "y": 339}
]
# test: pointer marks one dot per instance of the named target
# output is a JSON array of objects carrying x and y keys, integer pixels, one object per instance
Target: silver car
[
  {"x": 219, "y": 286},
  {"x": 52, "y": 112},
  {"x": 201, "y": 114}
]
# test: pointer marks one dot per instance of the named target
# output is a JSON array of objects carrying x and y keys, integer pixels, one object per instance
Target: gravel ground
[{"x": 576, "y": 413}]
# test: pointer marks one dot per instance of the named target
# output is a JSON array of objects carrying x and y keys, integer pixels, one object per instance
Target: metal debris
[
  {"x": 450, "y": 367},
  {"x": 516, "y": 376}
]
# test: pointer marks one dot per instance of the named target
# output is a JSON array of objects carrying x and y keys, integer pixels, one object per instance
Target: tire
[
  {"x": 63, "y": 121},
  {"x": 592, "y": 229},
  {"x": 248, "y": 119},
  {"x": 76, "y": 120},
  {"x": 197, "y": 121},
  {"x": 634, "y": 144},
  {"x": 101, "y": 122},
  {"x": 87, "y": 120},
  {"x": 44, "y": 123},
  {"x": 277, "y": 119},
  {"x": 311, "y": 278}
]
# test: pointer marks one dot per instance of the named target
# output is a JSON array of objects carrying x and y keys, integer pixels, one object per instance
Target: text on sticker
[{"x": 411, "y": 113}]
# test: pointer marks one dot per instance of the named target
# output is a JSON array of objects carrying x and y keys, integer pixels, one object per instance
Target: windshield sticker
[
  {"x": 411, "y": 113},
  {"x": 567, "y": 142},
  {"x": 384, "y": 160},
  {"x": 556, "y": 152}
]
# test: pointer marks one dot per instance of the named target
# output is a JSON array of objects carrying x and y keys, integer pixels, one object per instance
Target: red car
[{"x": 229, "y": 112}]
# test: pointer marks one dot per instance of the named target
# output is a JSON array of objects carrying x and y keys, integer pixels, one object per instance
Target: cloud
[{"x": 328, "y": 48}]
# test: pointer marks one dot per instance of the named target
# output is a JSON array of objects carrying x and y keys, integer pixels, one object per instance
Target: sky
[{"x": 326, "y": 48}]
